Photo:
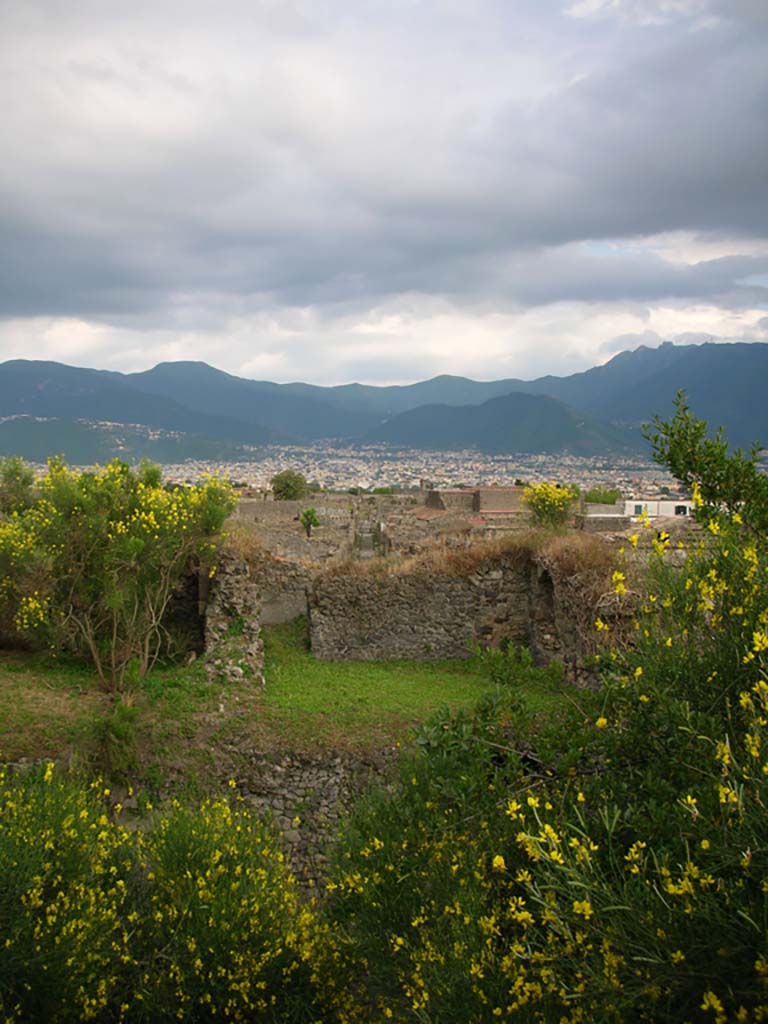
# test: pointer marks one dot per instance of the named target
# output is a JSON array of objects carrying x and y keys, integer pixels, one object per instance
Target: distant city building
[{"x": 658, "y": 507}]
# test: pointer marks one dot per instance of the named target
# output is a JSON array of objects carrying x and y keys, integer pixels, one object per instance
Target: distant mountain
[
  {"x": 47, "y": 389},
  {"x": 276, "y": 408},
  {"x": 726, "y": 385},
  {"x": 512, "y": 423},
  {"x": 85, "y": 443}
]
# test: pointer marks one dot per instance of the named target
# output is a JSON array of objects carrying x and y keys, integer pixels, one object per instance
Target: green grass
[
  {"x": 176, "y": 727},
  {"x": 365, "y": 704}
]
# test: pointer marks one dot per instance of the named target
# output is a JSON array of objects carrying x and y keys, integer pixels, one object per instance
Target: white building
[{"x": 655, "y": 507}]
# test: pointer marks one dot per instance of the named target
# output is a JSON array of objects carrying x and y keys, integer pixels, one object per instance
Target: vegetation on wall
[
  {"x": 548, "y": 503},
  {"x": 604, "y": 495}
]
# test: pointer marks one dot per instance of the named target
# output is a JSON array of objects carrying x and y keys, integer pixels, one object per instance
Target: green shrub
[
  {"x": 549, "y": 503},
  {"x": 194, "y": 918},
  {"x": 93, "y": 563},
  {"x": 604, "y": 495}
]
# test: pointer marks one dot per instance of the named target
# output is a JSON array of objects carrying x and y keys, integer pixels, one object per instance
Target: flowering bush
[
  {"x": 93, "y": 563},
  {"x": 549, "y": 503},
  {"x": 613, "y": 864},
  {"x": 195, "y": 918}
]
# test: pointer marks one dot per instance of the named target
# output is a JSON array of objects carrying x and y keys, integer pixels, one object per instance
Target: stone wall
[
  {"x": 428, "y": 614},
  {"x": 431, "y": 614},
  {"x": 283, "y": 585},
  {"x": 307, "y": 796},
  {"x": 602, "y": 522},
  {"x": 231, "y": 602}
]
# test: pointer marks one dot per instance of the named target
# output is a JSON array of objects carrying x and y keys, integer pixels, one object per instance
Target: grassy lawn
[
  {"x": 358, "y": 704},
  {"x": 176, "y": 727}
]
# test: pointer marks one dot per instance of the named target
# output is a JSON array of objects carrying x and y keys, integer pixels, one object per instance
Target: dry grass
[
  {"x": 443, "y": 556},
  {"x": 578, "y": 555},
  {"x": 241, "y": 542}
]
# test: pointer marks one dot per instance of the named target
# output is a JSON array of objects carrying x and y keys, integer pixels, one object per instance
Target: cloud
[{"x": 252, "y": 186}]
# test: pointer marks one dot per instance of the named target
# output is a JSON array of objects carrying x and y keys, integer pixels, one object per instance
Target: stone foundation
[
  {"x": 233, "y": 644},
  {"x": 307, "y": 796}
]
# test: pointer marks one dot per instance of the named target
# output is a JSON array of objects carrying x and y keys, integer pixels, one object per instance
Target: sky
[{"x": 380, "y": 190}]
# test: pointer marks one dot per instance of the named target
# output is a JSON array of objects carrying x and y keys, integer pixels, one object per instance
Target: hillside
[
  {"x": 725, "y": 384},
  {"x": 511, "y": 423},
  {"x": 52, "y": 390},
  {"x": 85, "y": 443}
]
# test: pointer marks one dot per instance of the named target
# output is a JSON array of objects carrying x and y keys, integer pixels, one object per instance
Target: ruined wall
[
  {"x": 425, "y": 614},
  {"x": 231, "y": 602},
  {"x": 307, "y": 796},
  {"x": 282, "y": 584},
  {"x": 522, "y": 596},
  {"x": 602, "y": 523}
]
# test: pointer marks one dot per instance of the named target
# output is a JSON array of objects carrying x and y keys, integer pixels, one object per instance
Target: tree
[
  {"x": 91, "y": 566},
  {"x": 289, "y": 485},
  {"x": 308, "y": 519},
  {"x": 721, "y": 482}
]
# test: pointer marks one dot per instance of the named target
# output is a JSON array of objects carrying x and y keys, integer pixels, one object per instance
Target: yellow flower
[
  {"x": 584, "y": 908},
  {"x": 711, "y": 1002},
  {"x": 601, "y": 722},
  {"x": 498, "y": 863}
]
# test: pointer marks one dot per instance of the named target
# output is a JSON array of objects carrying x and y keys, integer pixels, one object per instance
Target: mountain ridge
[{"x": 726, "y": 383}]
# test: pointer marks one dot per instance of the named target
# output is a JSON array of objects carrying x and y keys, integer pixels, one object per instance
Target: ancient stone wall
[
  {"x": 233, "y": 644},
  {"x": 426, "y": 614},
  {"x": 307, "y": 796},
  {"x": 282, "y": 584},
  {"x": 602, "y": 522}
]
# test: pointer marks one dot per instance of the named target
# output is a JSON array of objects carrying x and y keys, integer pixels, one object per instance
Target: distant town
[{"x": 368, "y": 467}]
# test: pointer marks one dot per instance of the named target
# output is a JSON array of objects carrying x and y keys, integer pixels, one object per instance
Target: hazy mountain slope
[
  {"x": 726, "y": 386},
  {"x": 54, "y": 390},
  {"x": 274, "y": 406},
  {"x": 511, "y": 423},
  {"x": 83, "y": 443},
  {"x": 389, "y": 400}
]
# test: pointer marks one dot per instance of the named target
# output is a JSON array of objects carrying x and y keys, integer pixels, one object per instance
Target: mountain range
[{"x": 186, "y": 410}]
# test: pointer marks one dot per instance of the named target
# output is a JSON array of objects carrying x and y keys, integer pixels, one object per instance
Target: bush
[
  {"x": 195, "y": 918},
  {"x": 549, "y": 503},
  {"x": 93, "y": 563},
  {"x": 16, "y": 484},
  {"x": 602, "y": 495},
  {"x": 288, "y": 485}
]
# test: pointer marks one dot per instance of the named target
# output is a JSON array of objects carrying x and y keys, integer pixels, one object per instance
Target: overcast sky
[{"x": 380, "y": 190}]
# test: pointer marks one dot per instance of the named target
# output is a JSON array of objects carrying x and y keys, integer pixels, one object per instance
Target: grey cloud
[{"x": 167, "y": 164}]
